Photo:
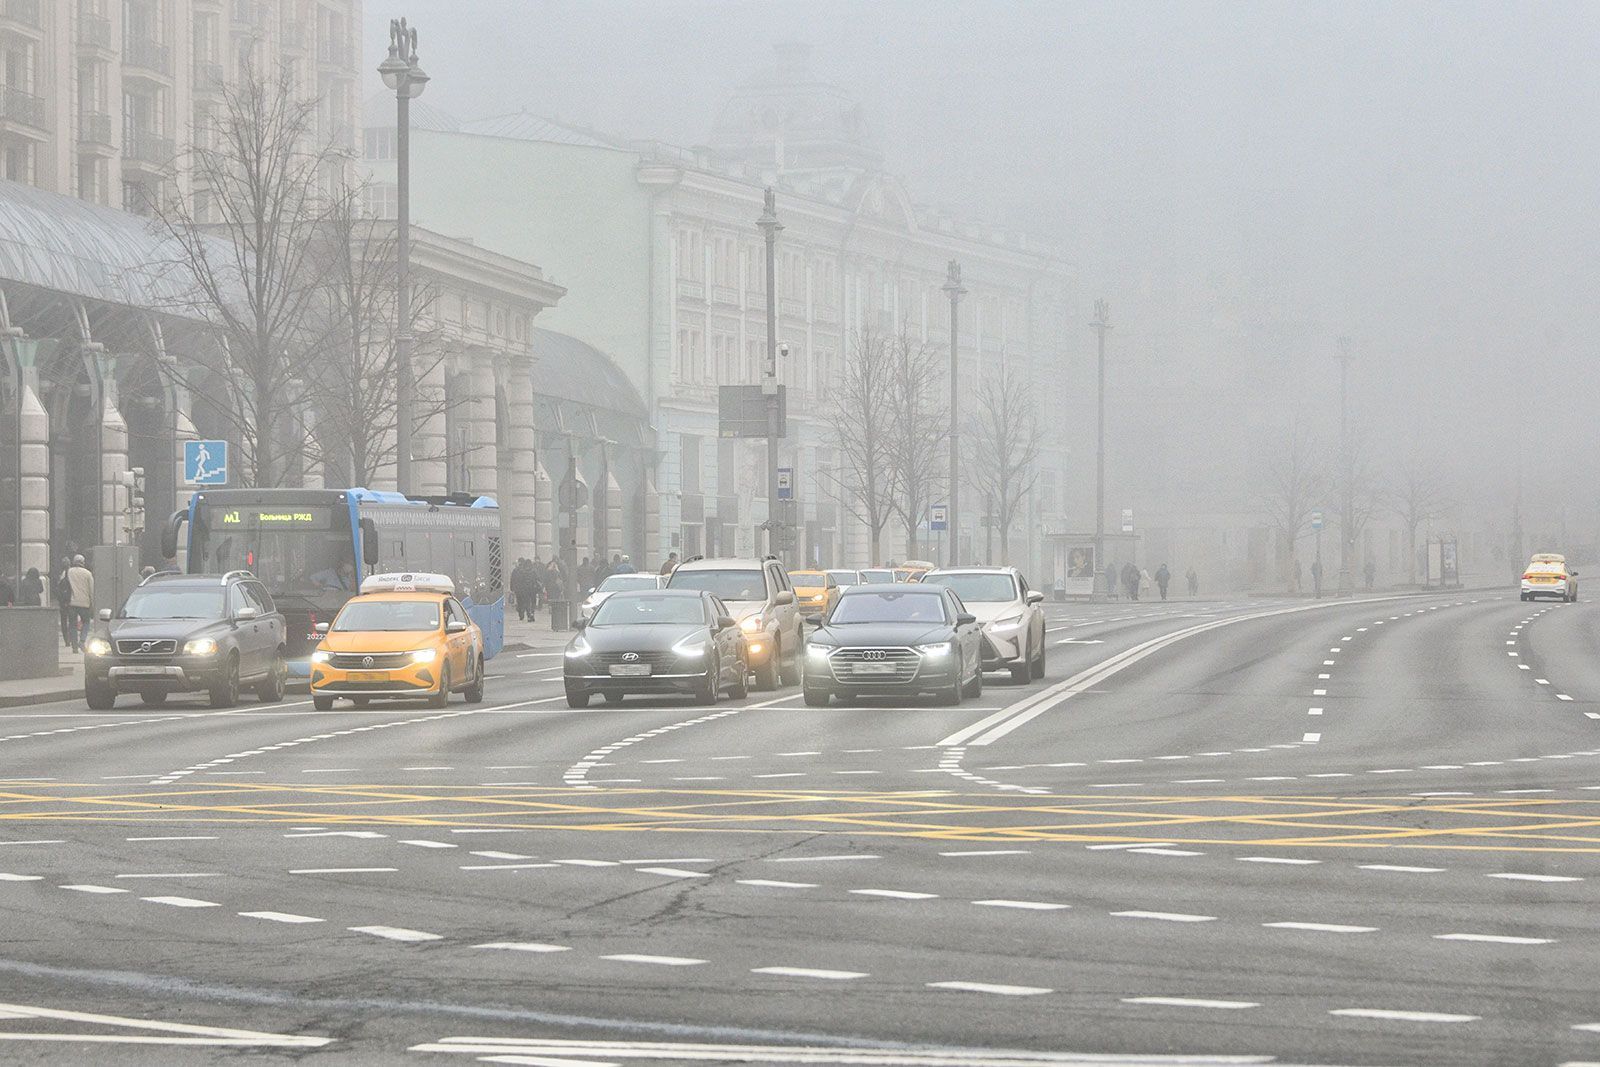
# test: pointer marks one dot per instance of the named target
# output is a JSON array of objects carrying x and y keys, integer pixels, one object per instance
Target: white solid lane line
[
  {"x": 1404, "y": 1016},
  {"x": 395, "y": 933},
  {"x": 808, "y": 972},
  {"x": 279, "y": 916},
  {"x": 1191, "y": 1002}
]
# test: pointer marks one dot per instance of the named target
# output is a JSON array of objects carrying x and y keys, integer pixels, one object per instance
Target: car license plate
[
  {"x": 876, "y": 668},
  {"x": 144, "y": 669},
  {"x": 368, "y": 676},
  {"x": 630, "y": 670}
]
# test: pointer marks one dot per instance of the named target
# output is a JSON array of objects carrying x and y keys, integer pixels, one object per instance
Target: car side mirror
[
  {"x": 321, "y": 627},
  {"x": 580, "y": 622},
  {"x": 725, "y": 621},
  {"x": 1035, "y": 597},
  {"x": 245, "y": 614},
  {"x": 815, "y": 620},
  {"x": 783, "y": 597},
  {"x": 966, "y": 619},
  {"x": 589, "y": 590},
  {"x": 104, "y": 615},
  {"x": 455, "y": 626}
]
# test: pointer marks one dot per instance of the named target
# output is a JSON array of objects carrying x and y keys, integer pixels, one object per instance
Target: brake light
[{"x": 311, "y": 628}]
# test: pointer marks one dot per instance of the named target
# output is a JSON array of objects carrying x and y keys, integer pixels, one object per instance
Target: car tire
[
  {"x": 815, "y": 696},
  {"x": 225, "y": 694},
  {"x": 322, "y": 703},
  {"x": 949, "y": 696},
  {"x": 577, "y": 698},
  {"x": 1038, "y": 662},
  {"x": 767, "y": 674},
  {"x": 99, "y": 697},
  {"x": 442, "y": 697},
  {"x": 791, "y": 675},
  {"x": 708, "y": 689},
  {"x": 270, "y": 689},
  {"x": 1022, "y": 670},
  {"x": 741, "y": 685},
  {"x": 975, "y": 687},
  {"x": 153, "y": 700},
  {"x": 474, "y": 693},
  {"x": 1524, "y": 596}
]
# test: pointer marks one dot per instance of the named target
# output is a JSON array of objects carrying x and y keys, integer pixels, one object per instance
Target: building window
[
  {"x": 378, "y": 143},
  {"x": 381, "y": 200},
  {"x": 691, "y": 265},
  {"x": 691, "y": 355}
]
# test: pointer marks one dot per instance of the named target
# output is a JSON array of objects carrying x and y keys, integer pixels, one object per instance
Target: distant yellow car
[
  {"x": 815, "y": 592},
  {"x": 405, "y": 636},
  {"x": 1547, "y": 575}
]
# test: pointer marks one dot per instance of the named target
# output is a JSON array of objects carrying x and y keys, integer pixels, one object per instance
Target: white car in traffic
[
  {"x": 1010, "y": 613},
  {"x": 616, "y": 583}
]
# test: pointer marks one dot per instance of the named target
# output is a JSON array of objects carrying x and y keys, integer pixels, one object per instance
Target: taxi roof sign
[{"x": 408, "y": 582}]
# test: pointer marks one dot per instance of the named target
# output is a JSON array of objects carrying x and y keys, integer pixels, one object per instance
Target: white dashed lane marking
[{"x": 1191, "y": 1002}]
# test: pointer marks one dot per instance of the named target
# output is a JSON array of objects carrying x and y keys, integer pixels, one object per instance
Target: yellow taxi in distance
[
  {"x": 405, "y": 636},
  {"x": 1547, "y": 575},
  {"x": 814, "y": 591}
]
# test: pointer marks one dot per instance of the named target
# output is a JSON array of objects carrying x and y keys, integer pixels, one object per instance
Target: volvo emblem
[
  {"x": 366, "y": 661},
  {"x": 629, "y": 657},
  {"x": 874, "y": 653},
  {"x": 147, "y": 646}
]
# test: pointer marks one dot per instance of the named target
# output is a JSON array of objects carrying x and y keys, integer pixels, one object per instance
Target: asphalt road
[{"x": 1223, "y": 832}]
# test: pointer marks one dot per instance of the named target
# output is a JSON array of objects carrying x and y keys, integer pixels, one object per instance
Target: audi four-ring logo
[
  {"x": 874, "y": 653},
  {"x": 366, "y": 661},
  {"x": 629, "y": 657}
]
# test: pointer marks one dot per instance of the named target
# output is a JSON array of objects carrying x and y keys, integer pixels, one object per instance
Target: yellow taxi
[
  {"x": 814, "y": 591},
  {"x": 404, "y": 636},
  {"x": 1547, "y": 575}
]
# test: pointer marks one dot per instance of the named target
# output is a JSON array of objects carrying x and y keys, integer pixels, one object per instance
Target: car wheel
[
  {"x": 815, "y": 696},
  {"x": 323, "y": 703},
  {"x": 707, "y": 689},
  {"x": 474, "y": 692},
  {"x": 1038, "y": 662},
  {"x": 1022, "y": 670},
  {"x": 270, "y": 689},
  {"x": 1524, "y": 596},
  {"x": 442, "y": 697},
  {"x": 99, "y": 697},
  {"x": 225, "y": 694},
  {"x": 741, "y": 681},
  {"x": 975, "y": 689},
  {"x": 790, "y": 675},
  {"x": 949, "y": 696},
  {"x": 767, "y": 673},
  {"x": 153, "y": 700},
  {"x": 577, "y": 698}
]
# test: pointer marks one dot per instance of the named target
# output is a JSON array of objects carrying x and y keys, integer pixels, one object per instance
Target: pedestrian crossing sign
[{"x": 205, "y": 463}]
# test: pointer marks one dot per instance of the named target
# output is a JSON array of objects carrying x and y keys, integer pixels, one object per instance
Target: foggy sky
[{"x": 1420, "y": 177}]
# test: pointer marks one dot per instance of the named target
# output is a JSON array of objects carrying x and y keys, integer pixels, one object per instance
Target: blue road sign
[
  {"x": 205, "y": 463},
  {"x": 1316, "y": 520},
  {"x": 939, "y": 517},
  {"x": 785, "y": 483}
]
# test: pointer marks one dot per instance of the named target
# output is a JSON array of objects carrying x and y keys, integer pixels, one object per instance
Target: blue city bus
[{"x": 312, "y": 547}]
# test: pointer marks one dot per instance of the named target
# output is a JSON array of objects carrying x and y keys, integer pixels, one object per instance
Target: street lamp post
[
  {"x": 770, "y": 228},
  {"x": 402, "y": 73},
  {"x": 953, "y": 288},
  {"x": 1101, "y": 323},
  {"x": 1347, "y": 537}
]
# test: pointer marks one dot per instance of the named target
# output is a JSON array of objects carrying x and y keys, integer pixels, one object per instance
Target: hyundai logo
[
  {"x": 874, "y": 653},
  {"x": 629, "y": 657},
  {"x": 366, "y": 661}
]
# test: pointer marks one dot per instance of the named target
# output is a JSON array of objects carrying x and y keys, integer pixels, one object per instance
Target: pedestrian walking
[
  {"x": 671, "y": 564},
  {"x": 1111, "y": 581},
  {"x": 30, "y": 591},
  {"x": 1316, "y": 578},
  {"x": 623, "y": 565},
  {"x": 1370, "y": 572},
  {"x": 62, "y": 588},
  {"x": 588, "y": 578},
  {"x": 80, "y": 598},
  {"x": 1194, "y": 583},
  {"x": 1130, "y": 580},
  {"x": 1163, "y": 577},
  {"x": 522, "y": 588}
]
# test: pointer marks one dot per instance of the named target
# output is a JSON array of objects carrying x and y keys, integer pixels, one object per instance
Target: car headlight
[
  {"x": 751, "y": 624},
  {"x": 200, "y": 646},
  {"x": 424, "y": 655},
  {"x": 935, "y": 651},
  {"x": 97, "y": 646},
  {"x": 1004, "y": 625},
  {"x": 578, "y": 649},
  {"x": 814, "y": 651},
  {"x": 691, "y": 647},
  {"x": 320, "y": 656},
  {"x": 755, "y": 647}
]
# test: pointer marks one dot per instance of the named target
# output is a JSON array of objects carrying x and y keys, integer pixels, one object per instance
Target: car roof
[
  {"x": 660, "y": 592},
  {"x": 168, "y": 578},
  {"x": 723, "y": 563},
  {"x": 390, "y": 596},
  {"x": 896, "y": 587},
  {"x": 970, "y": 570}
]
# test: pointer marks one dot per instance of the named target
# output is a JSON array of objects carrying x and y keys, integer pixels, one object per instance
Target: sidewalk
[
  {"x": 535, "y": 636},
  {"x": 66, "y": 685}
]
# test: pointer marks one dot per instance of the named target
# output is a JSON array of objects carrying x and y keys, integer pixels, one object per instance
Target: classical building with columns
[{"x": 664, "y": 266}]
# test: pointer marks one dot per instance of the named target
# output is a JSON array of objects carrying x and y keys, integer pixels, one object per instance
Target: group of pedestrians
[
  {"x": 1131, "y": 581},
  {"x": 72, "y": 588}
]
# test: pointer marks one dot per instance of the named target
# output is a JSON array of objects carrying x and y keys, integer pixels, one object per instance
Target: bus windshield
[{"x": 299, "y": 552}]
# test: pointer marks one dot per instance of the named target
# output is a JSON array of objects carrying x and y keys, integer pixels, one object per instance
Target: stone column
[
  {"x": 33, "y": 469},
  {"x": 482, "y": 447},
  {"x": 653, "y": 537},
  {"x": 428, "y": 444},
  {"x": 544, "y": 513},
  {"x": 613, "y": 514},
  {"x": 113, "y": 455},
  {"x": 519, "y": 490}
]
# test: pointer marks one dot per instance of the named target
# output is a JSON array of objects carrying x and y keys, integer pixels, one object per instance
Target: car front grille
[
  {"x": 369, "y": 687},
  {"x": 369, "y": 661},
  {"x": 657, "y": 660},
  {"x": 147, "y": 648},
  {"x": 866, "y": 664}
]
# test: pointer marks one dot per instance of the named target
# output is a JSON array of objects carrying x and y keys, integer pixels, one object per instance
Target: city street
[{"x": 1356, "y": 832}]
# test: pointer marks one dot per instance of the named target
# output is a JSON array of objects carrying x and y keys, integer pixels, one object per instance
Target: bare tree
[
  {"x": 1005, "y": 442},
  {"x": 243, "y": 235},
  {"x": 1419, "y": 492},
  {"x": 865, "y": 481},
  {"x": 920, "y": 442},
  {"x": 1293, "y": 484}
]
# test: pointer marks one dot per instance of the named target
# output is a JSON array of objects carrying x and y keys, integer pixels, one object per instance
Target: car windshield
[
  {"x": 808, "y": 579},
  {"x": 887, "y": 607},
  {"x": 641, "y": 609},
  {"x": 190, "y": 603},
  {"x": 618, "y": 582},
  {"x": 744, "y": 583},
  {"x": 388, "y": 615},
  {"x": 877, "y": 576},
  {"x": 846, "y": 577},
  {"x": 976, "y": 588}
]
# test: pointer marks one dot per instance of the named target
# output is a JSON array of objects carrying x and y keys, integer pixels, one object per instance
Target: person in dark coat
[
  {"x": 1130, "y": 580},
  {"x": 1111, "y": 581},
  {"x": 522, "y": 586},
  {"x": 1163, "y": 579},
  {"x": 30, "y": 591},
  {"x": 623, "y": 565}
]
